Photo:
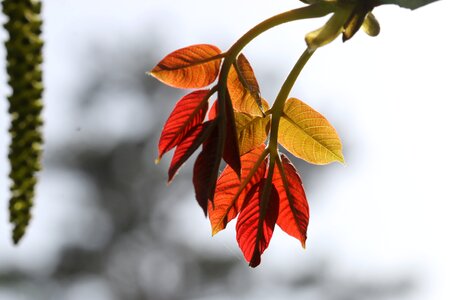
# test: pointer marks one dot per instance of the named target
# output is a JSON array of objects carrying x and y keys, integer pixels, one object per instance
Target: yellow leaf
[
  {"x": 192, "y": 67},
  {"x": 308, "y": 135},
  {"x": 251, "y": 130}
]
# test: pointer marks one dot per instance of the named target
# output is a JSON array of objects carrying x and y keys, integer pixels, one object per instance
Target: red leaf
[
  {"x": 255, "y": 223},
  {"x": 231, "y": 154},
  {"x": 206, "y": 171},
  {"x": 213, "y": 111},
  {"x": 193, "y": 139},
  {"x": 293, "y": 214},
  {"x": 188, "y": 113},
  {"x": 227, "y": 199},
  {"x": 191, "y": 67}
]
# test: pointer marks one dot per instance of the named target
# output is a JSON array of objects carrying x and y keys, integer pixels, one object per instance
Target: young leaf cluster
[{"x": 259, "y": 185}]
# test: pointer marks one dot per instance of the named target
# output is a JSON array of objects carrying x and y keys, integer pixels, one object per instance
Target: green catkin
[{"x": 24, "y": 59}]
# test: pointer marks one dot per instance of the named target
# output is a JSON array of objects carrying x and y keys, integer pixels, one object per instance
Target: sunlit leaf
[
  {"x": 193, "y": 139},
  {"x": 192, "y": 67},
  {"x": 227, "y": 199},
  {"x": 243, "y": 88},
  {"x": 308, "y": 135},
  {"x": 188, "y": 113},
  {"x": 206, "y": 170},
  {"x": 255, "y": 223},
  {"x": 252, "y": 130},
  {"x": 293, "y": 216},
  {"x": 213, "y": 111}
]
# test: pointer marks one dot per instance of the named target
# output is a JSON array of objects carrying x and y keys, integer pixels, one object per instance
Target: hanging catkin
[{"x": 24, "y": 59}]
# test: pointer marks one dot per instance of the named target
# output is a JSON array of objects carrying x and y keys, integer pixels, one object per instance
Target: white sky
[{"x": 386, "y": 211}]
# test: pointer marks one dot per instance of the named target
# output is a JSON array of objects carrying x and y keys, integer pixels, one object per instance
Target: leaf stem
[{"x": 278, "y": 105}]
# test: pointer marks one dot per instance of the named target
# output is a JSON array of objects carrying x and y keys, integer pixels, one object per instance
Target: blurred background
[{"x": 107, "y": 226}]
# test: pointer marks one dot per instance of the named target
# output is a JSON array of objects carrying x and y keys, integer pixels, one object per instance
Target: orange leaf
[
  {"x": 192, "y": 67},
  {"x": 244, "y": 89},
  {"x": 193, "y": 139},
  {"x": 252, "y": 130},
  {"x": 188, "y": 113},
  {"x": 230, "y": 191},
  {"x": 293, "y": 216},
  {"x": 307, "y": 134},
  {"x": 255, "y": 224},
  {"x": 214, "y": 109}
]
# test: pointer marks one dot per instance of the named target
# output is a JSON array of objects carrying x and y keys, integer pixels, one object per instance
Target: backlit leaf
[
  {"x": 227, "y": 199},
  {"x": 193, "y": 139},
  {"x": 255, "y": 224},
  {"x": 206, "y": 170},
  {"x": 308, "y": 135},
  {"x": 293, "y": 216},
  {"x": 252, "y": 130},
  {"x": 213, "y": 111},
  {"x": 188, "y": 113},
  {"x": 192, "y": 67},
  {"x": 243, "y": 88}
]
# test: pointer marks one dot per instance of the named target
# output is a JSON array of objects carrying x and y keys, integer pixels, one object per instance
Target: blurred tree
[{"x": 127, "y": 250}]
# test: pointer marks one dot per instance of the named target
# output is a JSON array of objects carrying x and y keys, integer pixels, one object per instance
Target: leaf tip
[
  {"x": 216, "y": 228},
  {"x": 151, "y": 73},
  {"x": 157, "y": 160},
  {"x": 255, "y": 261},
  {"x": 341, "y": 160}
]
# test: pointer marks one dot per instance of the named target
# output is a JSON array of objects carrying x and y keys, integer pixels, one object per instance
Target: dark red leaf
[
  {"x": 227, "y": 201},
  {"x": 255, "y": 224},
  {"x": 188, "y": 113},
  {"x": 293, "y": 214},
  {"x": 193, "y": 139},
  {"x": 206, "y": 170},
  {"x": 231, "y": 153}
]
